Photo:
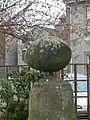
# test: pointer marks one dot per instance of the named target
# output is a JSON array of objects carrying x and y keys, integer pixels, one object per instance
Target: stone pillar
[{"x": 52, "y": 100}]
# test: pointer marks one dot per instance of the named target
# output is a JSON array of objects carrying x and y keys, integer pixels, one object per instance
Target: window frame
[
  {"x": 23, "y": 54},
  {"x": 87, "y": 20}
]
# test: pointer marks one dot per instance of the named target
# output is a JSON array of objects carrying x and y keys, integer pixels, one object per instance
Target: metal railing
[
  {"x": 86, "y": 72},
  {"x": 5, "y": 71}
]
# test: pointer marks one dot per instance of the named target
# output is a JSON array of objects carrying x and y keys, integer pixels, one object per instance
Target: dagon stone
[{"x": 48, "y": 54}]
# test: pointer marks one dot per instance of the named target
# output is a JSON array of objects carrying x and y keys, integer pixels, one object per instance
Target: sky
[
  {"x": 57, "y": 8},
  {"x": 36, "y": 13}
]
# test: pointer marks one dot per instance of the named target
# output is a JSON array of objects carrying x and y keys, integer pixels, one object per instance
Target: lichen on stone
[{"x": 48, "y": 53}]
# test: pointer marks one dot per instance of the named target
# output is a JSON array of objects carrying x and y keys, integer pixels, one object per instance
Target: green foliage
[
  {"x": 48, "y": 54},
  {"x": 14, "y": 94}
]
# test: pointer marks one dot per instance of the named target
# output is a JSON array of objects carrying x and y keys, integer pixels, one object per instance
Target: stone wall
[{"x": 52, "y": 101}]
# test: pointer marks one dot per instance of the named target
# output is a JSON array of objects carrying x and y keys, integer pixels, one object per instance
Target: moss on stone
[{"x": 48, "y": 54}]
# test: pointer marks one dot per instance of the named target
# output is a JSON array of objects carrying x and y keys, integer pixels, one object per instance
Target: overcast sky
[{"x": 57, "y": 8}]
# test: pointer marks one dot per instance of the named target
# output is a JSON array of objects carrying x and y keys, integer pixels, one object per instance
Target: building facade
[
  {"x": 78, "y": 16},
  {"x": 63, "y": 29}
]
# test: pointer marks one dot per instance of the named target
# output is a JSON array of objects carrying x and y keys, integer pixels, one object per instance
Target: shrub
[{"x": 14, "y": 94}]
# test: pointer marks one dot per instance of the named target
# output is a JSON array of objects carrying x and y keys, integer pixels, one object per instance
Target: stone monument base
[{"x": 52, "y": 100}]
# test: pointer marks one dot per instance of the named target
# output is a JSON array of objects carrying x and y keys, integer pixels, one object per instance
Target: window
[
  {"x": 69, "y": 1},
  {"x": 73, "y": 1},
  {"x": 82, "y": 0},
  {"x": 68, "y": 14},
  {"x": 88, "y": 58},
  {"x": 88, "y": 18},
  {"x": 23, "y": 54}
]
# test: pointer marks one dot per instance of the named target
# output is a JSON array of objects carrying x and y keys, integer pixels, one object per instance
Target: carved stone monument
[{"x": 52, "y": 99}]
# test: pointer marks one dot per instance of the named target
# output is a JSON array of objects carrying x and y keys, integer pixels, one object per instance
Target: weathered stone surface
[
  {"x": 48, "y": 54},
  {"x": 53, "y": 100}
]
